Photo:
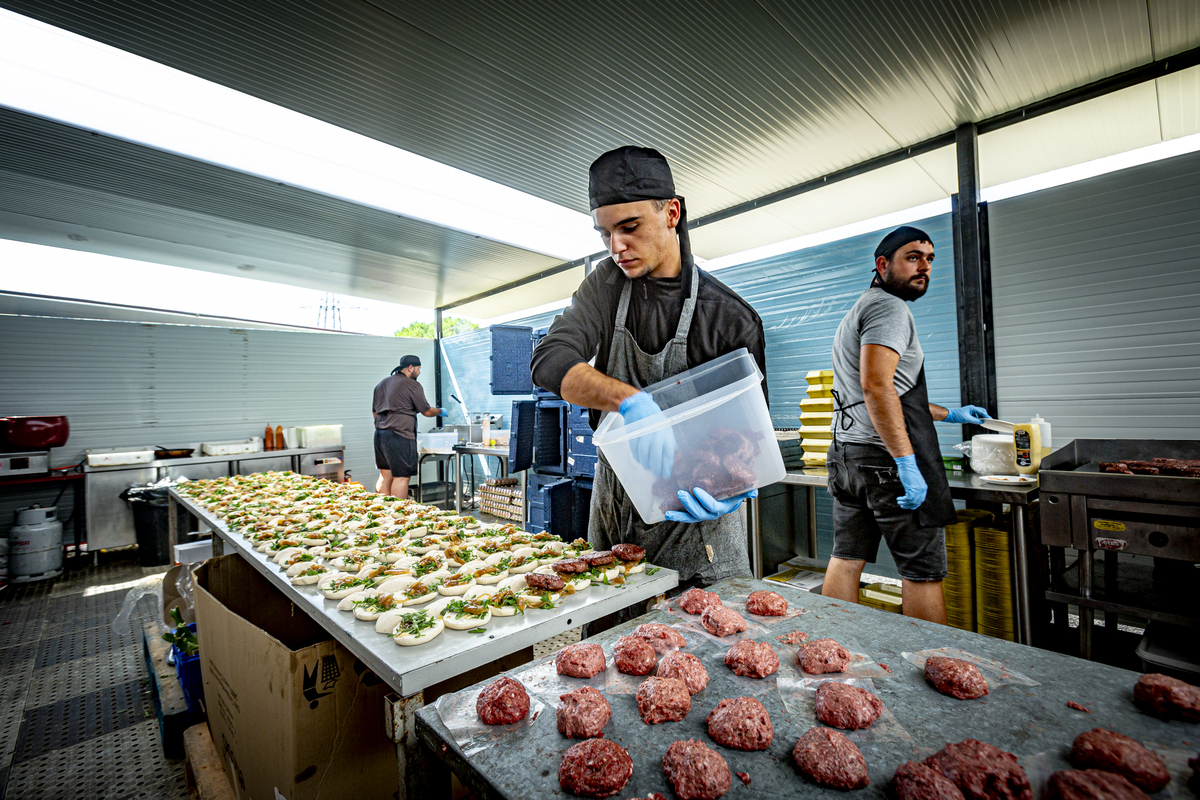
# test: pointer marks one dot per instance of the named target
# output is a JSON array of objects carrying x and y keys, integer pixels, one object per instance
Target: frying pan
[{"x": 179, "y": 452}]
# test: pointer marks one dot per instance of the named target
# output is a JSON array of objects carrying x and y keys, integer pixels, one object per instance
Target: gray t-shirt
[
  {"x": 877, "y": 318},
  {"x": 397, "y": 401}
]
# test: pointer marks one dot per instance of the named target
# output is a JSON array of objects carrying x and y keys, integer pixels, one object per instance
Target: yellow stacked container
[
  {"x": 959, "y": 586},
  {"x": 884, "y": 596},
  {"x": 816, "y": 418},
  {"x": 993, "y": 582}
]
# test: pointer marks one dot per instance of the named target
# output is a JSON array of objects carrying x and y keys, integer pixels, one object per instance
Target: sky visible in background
[{"x": 80, "y": 275}]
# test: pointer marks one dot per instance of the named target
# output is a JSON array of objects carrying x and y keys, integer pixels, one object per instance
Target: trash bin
[{"x": 150, "y": 523}]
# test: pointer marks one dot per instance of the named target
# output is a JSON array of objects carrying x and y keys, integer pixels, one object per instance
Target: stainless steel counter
[{"x": 409, "y": 670}]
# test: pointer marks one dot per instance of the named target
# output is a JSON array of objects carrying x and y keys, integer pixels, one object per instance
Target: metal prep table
[
  {"x": 965, "y": 486},
  {"x": 471, "y": 450},
  {"x": 109, "y": 519},
  {"x": 1031, "y": 721},
  {"x": 411, "y": 670}
]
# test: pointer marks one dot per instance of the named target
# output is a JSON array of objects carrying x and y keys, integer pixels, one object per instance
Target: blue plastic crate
[
  {"x": 188, "y": 670},
  {"x": 577, "y": 420},
  {"x": 580, "y": 444},
  {"x": 557, "y": 502},
  {"x": 581, "y": 507},
  {"x": 581, "y": 466},
  {"x": 512, "y": 349},
  {"x": 549, "y": 440}
]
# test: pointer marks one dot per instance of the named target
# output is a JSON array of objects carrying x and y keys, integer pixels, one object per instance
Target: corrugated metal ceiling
[{"x": 744, "y": 98}]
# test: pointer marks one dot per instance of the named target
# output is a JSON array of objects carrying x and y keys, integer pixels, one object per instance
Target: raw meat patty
[
  {"x": 955, "y": 678},
  {"x": 581, "y": 660},
  {"x": 847, "y": 707},
  {"x": 824, "y": 655},
  {"x": 598, "y": 558},
  {"x": 572, "y": 566},
  {"x": 634, "y": 656},
  {"x": 1168, "y": 697},
  {"x": 1113, "y": 752},
  {"x": 583, "y": 713},
  {"x": 915, "y": 781},
  {"x": 543, "y": 582},
  {"x": 595, "y": 768},
  {"x": 663, "y": 638},
  {"x": 766, "y": 604},
  {"x": 693, "y": 601},
  {"x": 629, "y": 552},
  {"x": 1091, "y": 784},
  {"x": 752, "y": 659},
  {"x": 696, "y": 771},
  {"x": 502, "y": 701},
  {"x": 828, "y": 758},
  {"x": 981, "y": 771},
  {"x": 687, "y": 668},
  {"x": 663, "y": 700},
  {"x": 741, "y": 723},
  {"x": 722, "y": 621}
]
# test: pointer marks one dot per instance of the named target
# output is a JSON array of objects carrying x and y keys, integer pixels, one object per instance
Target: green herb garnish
[
  {"x": 477, "y": 630},
  {"x": 652, "y": 570},
  {"x": 413, "y": 623}
]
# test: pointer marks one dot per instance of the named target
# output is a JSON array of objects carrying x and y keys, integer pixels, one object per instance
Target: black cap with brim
[
  {"x": 898, "y": 238},
  {"x": 409, "y": 361},
  {"x": 630, "y": 174}
]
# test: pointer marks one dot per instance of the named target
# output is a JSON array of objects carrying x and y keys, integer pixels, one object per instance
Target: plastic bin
[
  {"x": 437, "y": 442},
  {"x": 725, "y": 440},
  {"x": 320, "y": 435},
  {"x": 188, "y": 670}
]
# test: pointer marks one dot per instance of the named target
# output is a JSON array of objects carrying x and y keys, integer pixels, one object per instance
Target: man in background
[{"x": 397, "y": 401}]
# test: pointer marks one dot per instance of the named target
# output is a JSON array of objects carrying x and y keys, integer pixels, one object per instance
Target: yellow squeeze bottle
[{"x": 1027, "y": 436}]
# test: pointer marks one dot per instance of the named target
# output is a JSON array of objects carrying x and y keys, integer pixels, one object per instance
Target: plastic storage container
[
  {"x": 725, "y": 440},
  {"x": 439, "y": 442},
  {"x": 320, "y": 435},
  {"x": 993, "y": 454},
  {"x": 117, "y": 458},
  {"x": 231, "y": 448}
]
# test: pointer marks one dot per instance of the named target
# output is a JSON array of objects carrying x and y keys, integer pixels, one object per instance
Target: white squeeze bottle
[{"x": 1045, "y": 426}]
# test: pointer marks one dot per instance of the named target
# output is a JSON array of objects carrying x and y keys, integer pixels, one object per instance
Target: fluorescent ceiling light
[
  {"x": 58, "y": 75},
  {"x": 1090, "y": 169}
]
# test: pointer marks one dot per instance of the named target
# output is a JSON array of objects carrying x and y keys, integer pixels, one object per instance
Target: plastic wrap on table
[
  {"x": 861, "y": 665},
  {"x": 460, "y": 716},
  {"x": 799, "y": 693},
  {"x": 996, "y": 673},
  {"x": 738, "y": 603},
  {"x": 151, "y": 586},
  {"x": 746, "y": 685},
  {"x": 691, "y": 622}
]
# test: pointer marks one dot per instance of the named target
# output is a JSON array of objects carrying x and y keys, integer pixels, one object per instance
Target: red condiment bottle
[
  {"x": 279, "y": 443},
  {"x": 269, "y": 439}
]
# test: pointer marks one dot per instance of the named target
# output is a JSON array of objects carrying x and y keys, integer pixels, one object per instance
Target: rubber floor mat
[{"x": 78, "y": 719}]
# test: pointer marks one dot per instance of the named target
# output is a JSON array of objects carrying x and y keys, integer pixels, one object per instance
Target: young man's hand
[
  {"x": 700, "y": 506},
  {"x": 915, "y": 487}
]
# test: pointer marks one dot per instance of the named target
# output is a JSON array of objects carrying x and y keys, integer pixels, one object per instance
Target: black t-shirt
[
  {"x": 722, "y": 323},
  {"x": 397, "y": 401}
]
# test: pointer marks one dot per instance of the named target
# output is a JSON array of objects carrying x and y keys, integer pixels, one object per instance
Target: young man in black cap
[
  {"x": 885, "y": 465},
  {"x": 397, "y": 401},
  {"x": 645, "y": 314}
]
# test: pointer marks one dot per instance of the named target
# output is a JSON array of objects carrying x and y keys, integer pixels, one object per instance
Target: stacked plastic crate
[{"x": 816, "y": 418}]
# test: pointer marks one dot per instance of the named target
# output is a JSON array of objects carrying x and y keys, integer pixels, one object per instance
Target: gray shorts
[{"x": 864, "y": 484}]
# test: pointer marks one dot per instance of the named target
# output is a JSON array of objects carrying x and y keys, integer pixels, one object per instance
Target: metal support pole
[
  {"x": 437, "y": 357},
  {"x": 812, "y": 522},
  {"x": 754, "y": 529},
  {"x": 588, "y": 266},
  {"x": 977, "y": 370},
  {"x": 1024, "y": 621}
]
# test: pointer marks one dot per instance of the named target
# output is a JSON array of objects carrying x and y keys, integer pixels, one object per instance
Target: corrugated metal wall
[
  {"x": 124, "y": 383},
  {"x": 1097, "y": 304}
]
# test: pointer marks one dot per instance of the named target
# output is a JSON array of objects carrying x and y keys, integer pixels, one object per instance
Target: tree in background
[{"x": 451, "y": 326}]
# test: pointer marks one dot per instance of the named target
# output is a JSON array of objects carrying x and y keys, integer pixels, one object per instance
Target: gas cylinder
[{"x": 35, "y": 545}]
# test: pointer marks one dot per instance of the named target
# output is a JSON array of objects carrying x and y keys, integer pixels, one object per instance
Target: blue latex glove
[
  {"x": 654, "y": 450},
  {"x": 915, "y": 487},
  {"x": 967, "y": 415},
  {"x": 703, "y": 507}
]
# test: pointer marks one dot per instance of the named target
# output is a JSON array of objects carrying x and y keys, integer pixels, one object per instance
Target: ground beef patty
[
  {"x": 1168, "y": 697},
  {"x": 1113, "y": 752},
  {"x": 687, "y": 668},
  {"x": 581, "y": 660},
  {"x": 663, "y": 638},
  {"x": 543, "y": 582},
  {"x": 663, "y": 700},
  {"x": 502, "y": 701},
  {"x": 629, "y": 552},
  {"x": 915, "y": 781},
  {"x": 694, "y": 601},
  {"x": 981, "y": 771},
  {"x": 766, "y": 604},
  {"x": 823, "y": 655},
  {"x": 741, "y": 723},
  {"x": 752, "y": 659},
  {"x": 1090, "y": 784},
  {"x": 847, "y": 707},
  {"x": 583, "y": 713},
  {"x": 634, "y": 656},
  {"x": 696, "y": 771},
  {"x": 955, "y": 678},
  {"x": 722, "y": 621},
  {"x": 595, "y": 768},
  {"x": 828, "y": 758},
  {"x": 572, "y": 566},
  {"x": 598, "y": 558}
]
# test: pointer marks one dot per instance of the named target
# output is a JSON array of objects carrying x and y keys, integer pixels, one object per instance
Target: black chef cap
[
  {"x": 629, "y": 174},
  {"x": 406, "y": 362},
  {"x": 898, "y": 238}
]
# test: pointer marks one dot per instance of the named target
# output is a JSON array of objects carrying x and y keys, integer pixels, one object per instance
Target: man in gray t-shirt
[
  {"x": 885, "y": 470},
  {"x": 395, "y": 404}
]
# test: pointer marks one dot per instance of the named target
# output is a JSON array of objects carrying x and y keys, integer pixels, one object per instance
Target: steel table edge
[{"x": 438, "y": 743}]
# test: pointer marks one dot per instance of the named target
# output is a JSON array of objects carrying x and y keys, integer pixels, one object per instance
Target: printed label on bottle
[
  {"x": 1108, "y": 525},
  {"x": 1024, "y": 448}
]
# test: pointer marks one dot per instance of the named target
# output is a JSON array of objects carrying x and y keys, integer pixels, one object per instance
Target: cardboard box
[{"x": 294, "y": 715}]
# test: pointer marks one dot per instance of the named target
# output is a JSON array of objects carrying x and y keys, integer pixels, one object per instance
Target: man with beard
[{"x": 885, "y": 465}]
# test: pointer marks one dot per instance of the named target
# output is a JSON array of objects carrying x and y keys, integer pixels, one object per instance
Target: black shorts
[
  {"x": 395, "y": 453},
  {"x": 865, "y": 485}
]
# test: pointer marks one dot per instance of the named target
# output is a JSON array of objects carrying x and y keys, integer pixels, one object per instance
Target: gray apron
[{"x": 703, "y": 551}]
